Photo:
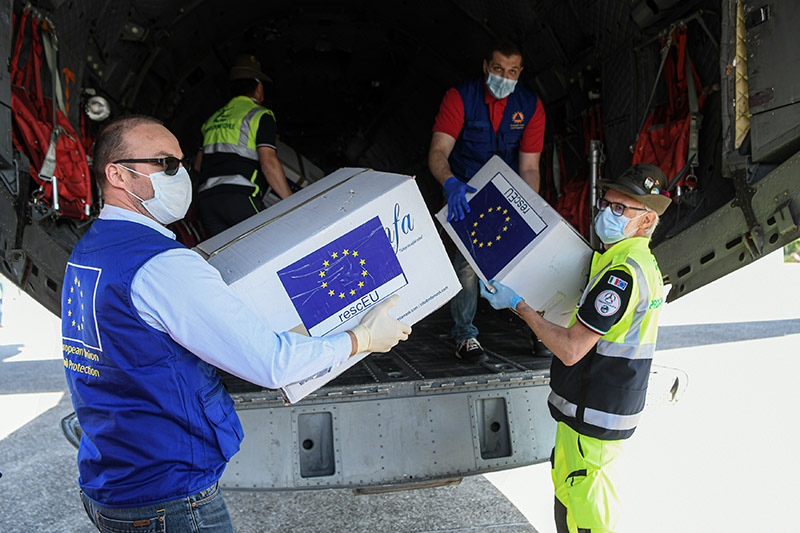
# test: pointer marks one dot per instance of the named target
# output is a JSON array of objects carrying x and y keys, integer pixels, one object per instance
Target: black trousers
[{"x": 220, "y": 208}]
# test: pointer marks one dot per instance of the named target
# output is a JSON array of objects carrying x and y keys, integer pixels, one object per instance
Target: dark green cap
[{"x": 644, "y": 182}]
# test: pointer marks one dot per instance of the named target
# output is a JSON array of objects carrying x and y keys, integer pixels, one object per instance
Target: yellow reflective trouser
[{"x": 584, "y": 476}]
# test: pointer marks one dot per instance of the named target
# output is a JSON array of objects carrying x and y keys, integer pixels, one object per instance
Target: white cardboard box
[
  {"x": 317, "y": 261},
  {"x": 512, "y": 235}
]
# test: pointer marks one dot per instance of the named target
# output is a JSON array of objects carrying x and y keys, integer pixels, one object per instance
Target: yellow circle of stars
[
  {"x": 335, "y": 255},
  {"x": 497, "y": 211},
  {"x": 76, "y": 284}
]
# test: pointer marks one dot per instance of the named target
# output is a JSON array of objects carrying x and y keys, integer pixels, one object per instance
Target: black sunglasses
[
  {"x": 616, "y": 208},
  {"x": 169, "y": 164}
]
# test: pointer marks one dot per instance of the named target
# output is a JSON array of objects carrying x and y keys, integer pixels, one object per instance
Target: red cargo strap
[
  {"x": 664, "y": 138},
  {"x": 32, "y": 127},
  {"x": 17, "y": 49}
]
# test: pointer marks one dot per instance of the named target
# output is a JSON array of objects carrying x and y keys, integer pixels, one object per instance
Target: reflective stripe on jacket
[
  {"x": 603, "y": 395},
  {"x": 232, "y": 130}
]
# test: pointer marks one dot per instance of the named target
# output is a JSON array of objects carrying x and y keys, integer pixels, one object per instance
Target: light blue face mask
[
  {"x": 610, "y": 228},
  {"x": 499, "y": 86}
]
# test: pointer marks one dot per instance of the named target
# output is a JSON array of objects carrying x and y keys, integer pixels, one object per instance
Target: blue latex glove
[
  {"x": 456, "y": 191},
  {"x": 502, "y": 297}
]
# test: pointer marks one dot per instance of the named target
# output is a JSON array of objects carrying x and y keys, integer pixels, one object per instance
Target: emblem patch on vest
[
  {"x": 607, "y": 303},
  {"x": 517, "y": 121}
]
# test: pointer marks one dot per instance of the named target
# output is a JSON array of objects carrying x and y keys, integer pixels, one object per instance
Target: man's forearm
[
  {"x": 529, "y": 168},
  {"x": 559, "y": 339},
  {"x": 439, "y": 166},
  {"x": 531, "y": 177},
  {"x": 276, "y": 179}
]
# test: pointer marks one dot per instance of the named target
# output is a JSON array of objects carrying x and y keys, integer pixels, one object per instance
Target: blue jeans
[
  {"x": 202, "y": 511},
  {"x": 464, "y": 305}
]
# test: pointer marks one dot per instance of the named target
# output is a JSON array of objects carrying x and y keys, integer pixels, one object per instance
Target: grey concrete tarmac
[
  {"x": 39, "y": 490},
  {"x": 719, "y": 459}
]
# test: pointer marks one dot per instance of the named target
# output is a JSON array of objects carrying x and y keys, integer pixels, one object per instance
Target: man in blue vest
[
  {"x": 488, "y": 115},
  {"x": 239, "y": 160},
  {"x": 601, "y": 362},
  {"x": 145, "y": 321}
]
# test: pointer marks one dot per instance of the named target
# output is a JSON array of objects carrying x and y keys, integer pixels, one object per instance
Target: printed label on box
[
  {"x": 499, "y": 226},
  {"x": 343, "y": 278}
]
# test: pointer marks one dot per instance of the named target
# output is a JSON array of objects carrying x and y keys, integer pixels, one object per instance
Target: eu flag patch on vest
[
  {"x": 78, "y": 320},
  {"x": 494, "y": 232},
  {"x": 616, "y": 282},
  {"x": 343, "y": 278}
]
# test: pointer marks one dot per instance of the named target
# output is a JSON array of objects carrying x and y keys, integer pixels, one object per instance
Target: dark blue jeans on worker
[
  {"x": 465, "y": 303},
  {"x": 202, "y": 511}
]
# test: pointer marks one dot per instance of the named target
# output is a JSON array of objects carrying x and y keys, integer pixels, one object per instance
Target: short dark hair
[
  {"x": 245, "y": 87},
  {"x": 506, "y": 46},
  {"x": 111, "y": 145}
]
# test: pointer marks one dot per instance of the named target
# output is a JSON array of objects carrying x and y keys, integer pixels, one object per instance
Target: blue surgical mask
[
  {"x": 610, "y": 228},
  {"x": 499, "y": 86}
]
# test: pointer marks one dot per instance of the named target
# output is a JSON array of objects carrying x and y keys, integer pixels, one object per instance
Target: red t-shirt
[{"x": 450, "y": 119}]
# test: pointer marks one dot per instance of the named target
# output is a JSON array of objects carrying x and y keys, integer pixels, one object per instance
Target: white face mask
[
  {"x": 499, "y": 86},
  {"x": 171, "y": 195}
]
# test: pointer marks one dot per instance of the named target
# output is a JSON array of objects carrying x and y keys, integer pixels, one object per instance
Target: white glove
[{"x": 378, "y": 332}]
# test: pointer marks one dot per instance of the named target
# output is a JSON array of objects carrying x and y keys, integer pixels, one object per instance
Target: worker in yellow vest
[
  {"x": 600, "y": 371},
  {"x": 239, "y": 160}
]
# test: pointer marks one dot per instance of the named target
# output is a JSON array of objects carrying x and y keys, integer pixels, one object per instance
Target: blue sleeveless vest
[
  {"x": 157, "y": 422},
  {"x": 478, "y": 142}
]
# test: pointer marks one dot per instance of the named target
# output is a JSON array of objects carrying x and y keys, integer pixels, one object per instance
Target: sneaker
[{"x": 470, "y": 351}]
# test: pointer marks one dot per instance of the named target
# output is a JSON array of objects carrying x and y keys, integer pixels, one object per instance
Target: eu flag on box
[
  {"x": 343, "y": 278},
  {"x": 81, "y": 323},
  {"x": 493, "y": 231}
]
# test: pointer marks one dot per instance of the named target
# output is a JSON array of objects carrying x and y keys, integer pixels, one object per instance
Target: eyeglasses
[
  {"x": 169, "y": 164},
  {"x": 616, "y": 208}
]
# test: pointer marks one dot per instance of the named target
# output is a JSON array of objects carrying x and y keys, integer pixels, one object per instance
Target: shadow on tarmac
[
  {"x": 10, "y": 350},
  {"x": 672, "y": 337}
]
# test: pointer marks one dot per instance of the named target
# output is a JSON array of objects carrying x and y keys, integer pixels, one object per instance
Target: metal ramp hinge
[
  {"x": 754, "y": 238},
  {"x": 346, "y": 393},
  {"x": 783, "y": 215},
  {"x": 533, "y": 379}
]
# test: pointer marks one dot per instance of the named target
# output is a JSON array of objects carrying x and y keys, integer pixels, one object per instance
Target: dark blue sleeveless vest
[
  {"x": 157, "y": 423},
  {"x": 478, "y": 142}
]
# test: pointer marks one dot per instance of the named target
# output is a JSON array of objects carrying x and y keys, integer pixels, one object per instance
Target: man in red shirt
[{"x": 488, "y": 115}]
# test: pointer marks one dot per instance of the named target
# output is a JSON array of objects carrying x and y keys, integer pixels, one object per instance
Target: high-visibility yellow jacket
[
  {"x": 229, "y": 136},
  {"x": 603, "y": 395}
]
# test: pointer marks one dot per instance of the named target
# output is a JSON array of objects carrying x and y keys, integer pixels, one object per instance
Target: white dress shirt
[{"x": 177, "y": 292}]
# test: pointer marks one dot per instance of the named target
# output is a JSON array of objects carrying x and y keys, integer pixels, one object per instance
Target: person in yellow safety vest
[
  {"x": 600, "y": 371},
  {"x": 239, "y": 151}
]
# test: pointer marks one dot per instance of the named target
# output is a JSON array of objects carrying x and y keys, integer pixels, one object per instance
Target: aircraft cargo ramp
[{"x": 429, "y": 354}]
